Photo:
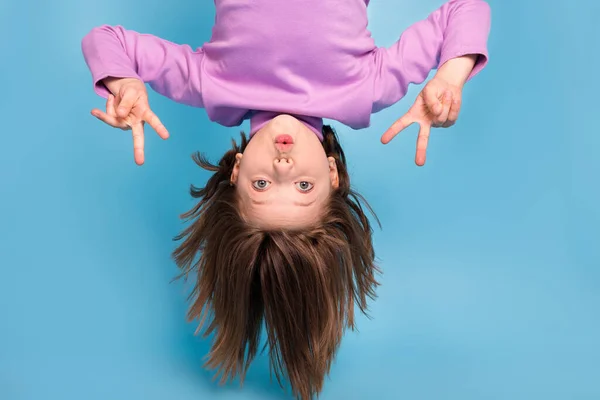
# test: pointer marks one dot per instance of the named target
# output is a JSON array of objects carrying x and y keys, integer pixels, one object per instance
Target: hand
[
  {"x": 129, "y": 109},
  {"x": 438, "y": 105}
]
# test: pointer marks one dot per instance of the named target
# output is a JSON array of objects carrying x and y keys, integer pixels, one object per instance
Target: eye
[
  {"x": 260, "y": 184},
  {"x": 304, "y": 186}
]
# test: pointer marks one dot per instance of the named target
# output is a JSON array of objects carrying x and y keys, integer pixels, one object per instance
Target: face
[{"x": 284, "y": 177}]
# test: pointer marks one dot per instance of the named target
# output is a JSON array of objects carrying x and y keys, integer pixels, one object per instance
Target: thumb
[
  {"x": 432, "y": 97},
  {"x": 127, "y": 99}
]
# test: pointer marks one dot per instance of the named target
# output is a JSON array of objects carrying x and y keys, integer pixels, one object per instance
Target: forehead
[{"x": 281, "y": 212}]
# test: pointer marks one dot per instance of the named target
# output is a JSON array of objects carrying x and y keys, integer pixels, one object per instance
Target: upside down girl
[{"x": 278, "y": 235}]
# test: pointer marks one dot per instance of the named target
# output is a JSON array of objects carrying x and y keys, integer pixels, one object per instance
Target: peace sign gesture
[
  {"x": 438, "y": 105},
  {"x": 129, "y": 110}
]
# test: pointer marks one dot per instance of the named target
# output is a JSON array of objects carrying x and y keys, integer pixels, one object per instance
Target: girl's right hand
[{"x": 129, "y": 109}]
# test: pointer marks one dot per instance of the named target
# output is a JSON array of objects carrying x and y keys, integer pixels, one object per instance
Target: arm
[
  {"x": 172, "y": 70},
  {"x": 457, "y": 71},
  {"x": 453, "y": 39}
]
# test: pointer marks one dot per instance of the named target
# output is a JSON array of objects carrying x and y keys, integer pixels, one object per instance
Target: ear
[
  {"x": 333, "y": 173},
  {"x": 236, "y": 169}
]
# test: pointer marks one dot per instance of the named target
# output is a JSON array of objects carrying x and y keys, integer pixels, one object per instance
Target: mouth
[{"x": 284, "y": 140}]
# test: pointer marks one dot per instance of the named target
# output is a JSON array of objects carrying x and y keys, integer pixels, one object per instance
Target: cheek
[
  {"x": 243, "y": 184},
  {"x": 322, "y": 169},
  {"x": 251, "y": 163},
  {"x": 242, "y": 191},
  {"x": 257, "y": 155},
  {"x": 311, "y": 157},
  {"x": 323, "y": 186}
]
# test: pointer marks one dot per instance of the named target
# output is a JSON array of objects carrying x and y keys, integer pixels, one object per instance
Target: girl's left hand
[{"x": 438, "y": 105}]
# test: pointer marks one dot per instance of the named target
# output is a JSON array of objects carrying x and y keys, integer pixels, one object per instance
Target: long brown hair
[{"x": 301, "y": 283}]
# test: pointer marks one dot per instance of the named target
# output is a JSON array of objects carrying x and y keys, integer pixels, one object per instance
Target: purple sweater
[{"x": 313, "y": 59}]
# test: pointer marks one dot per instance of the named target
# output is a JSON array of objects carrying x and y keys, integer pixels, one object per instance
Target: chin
[{"x": 285, "y": 124}]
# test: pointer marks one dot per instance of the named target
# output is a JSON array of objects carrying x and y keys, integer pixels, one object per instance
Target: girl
[{"x": 278, "y": 235}]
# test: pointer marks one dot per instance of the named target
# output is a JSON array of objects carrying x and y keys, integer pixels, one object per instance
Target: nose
[{"x": 283, "y": 164}]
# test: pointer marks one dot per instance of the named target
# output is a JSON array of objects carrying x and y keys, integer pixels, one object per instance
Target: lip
[
  {"x": 284, "y": 148},
  {"x": 284, "y": 140}
]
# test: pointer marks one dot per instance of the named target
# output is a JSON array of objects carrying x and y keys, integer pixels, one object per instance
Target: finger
[
  {"x": 422, "y": 142},
  {"x": 109, "y": 119},
  {"x": 402, "y": 123},
  {"x": 454, "y": 112},
  {"x": 153, "y": 120},
  {"x": 446, "y": 104},
  {"x": 127, "y": 102},
  {"x": 432, "y": 100},
  {"x": 110, "y": 106},
  {"x": 137, "y": 130}
]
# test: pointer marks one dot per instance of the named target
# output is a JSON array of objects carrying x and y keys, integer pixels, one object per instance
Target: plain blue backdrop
[{"x": 491, "y": 252}]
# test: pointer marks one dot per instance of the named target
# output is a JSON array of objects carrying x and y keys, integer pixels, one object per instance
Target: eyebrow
[{"x": 297, "y": 203}]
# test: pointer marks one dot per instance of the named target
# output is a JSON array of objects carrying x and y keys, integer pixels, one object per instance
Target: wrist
[
  {"x": 457, "y": 70},
  {"x": 114, "y": 84}
]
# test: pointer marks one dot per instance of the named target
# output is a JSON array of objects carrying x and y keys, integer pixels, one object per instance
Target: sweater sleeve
[
  {"x": 170, "y": 69},
  {"x": 457, "y": 28}
]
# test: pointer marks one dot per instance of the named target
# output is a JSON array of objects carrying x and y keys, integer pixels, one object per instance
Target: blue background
[{"x": 491, "y": 252}]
